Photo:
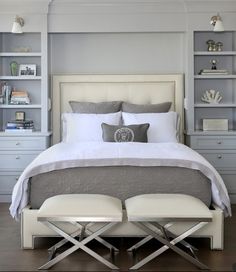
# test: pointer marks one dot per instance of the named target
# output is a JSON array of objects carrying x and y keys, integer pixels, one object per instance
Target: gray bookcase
[
  {"x": 219, "y": 146},
  {"x": 18, "y": 149}
]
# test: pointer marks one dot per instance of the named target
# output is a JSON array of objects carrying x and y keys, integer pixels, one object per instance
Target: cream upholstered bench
[
  {"x": 81, "y": 210},
  {"x": 155, "y": 213}
]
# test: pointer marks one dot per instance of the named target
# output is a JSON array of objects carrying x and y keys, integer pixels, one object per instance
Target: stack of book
[
  {"x": 19, "y": 98},
  {"x": 213, "y": 72},
  {"x": 20, "y": 126}
]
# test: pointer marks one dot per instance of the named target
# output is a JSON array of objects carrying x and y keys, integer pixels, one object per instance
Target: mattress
[{"x": 119, "y": 181}]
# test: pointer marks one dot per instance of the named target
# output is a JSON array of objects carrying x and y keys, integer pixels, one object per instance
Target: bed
[{"x": 139, "y": 89}]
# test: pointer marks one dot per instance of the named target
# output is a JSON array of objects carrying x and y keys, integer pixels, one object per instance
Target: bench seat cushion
[
  {"x": 81, "y": 207},
  {"x": 157, "y": 207}
]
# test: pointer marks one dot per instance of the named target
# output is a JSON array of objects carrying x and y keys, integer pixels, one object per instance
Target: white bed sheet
[{"x": 67, "y": 155}]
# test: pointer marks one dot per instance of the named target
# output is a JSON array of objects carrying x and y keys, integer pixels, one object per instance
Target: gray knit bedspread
[{"x": 119, "y": 181}]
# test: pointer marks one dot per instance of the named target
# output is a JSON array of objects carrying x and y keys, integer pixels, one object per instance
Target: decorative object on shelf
[
  {"x": 213, "y": 64},
  {"x": 210, "y": 44},
  {"x": 211, "y": 97},
  {"x": 219, "y": 46},
  {"x": 17, "y": 25},
  {"x": 213, "y": 70},
  {"x": 27, "y": 70},
  {"x": 19, "y": 98},
  {"x": 213, "y": 46},
  {"x": 215, "y": 124},
  {"x": 1, "y": 99},
  {"x": 14, "y": 68},
  {"x": 6, "y": 92},
  {"x": 216, "y": 21},
  {"x": 1, "y": 93},
  {"x": 20, "y": 115}
]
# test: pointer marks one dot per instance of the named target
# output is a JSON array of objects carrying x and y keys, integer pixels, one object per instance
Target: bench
[
  {"x": 155, "y": 213},
  {"x": 83, "y": 211}
]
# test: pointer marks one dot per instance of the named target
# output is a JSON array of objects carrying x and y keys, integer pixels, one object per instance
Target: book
[
  {"x": 19, "y": 97},
  {"x": 19, "y": 130},
  {"x": 20, "y": 125},
  {"x": 213, "y": 72}
]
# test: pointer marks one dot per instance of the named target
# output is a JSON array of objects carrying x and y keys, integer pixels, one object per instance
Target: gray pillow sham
[
  {"x": 131, "y": 133},
  {"x": 146, "y": 108},
  {"x": 99, "y": 108}
]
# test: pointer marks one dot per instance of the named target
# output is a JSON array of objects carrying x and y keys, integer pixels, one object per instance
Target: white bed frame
[{"x": 139, "y": 89}]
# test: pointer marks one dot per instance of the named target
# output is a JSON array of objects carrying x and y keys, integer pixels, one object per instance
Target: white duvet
[{"x": 67, "y": 155}]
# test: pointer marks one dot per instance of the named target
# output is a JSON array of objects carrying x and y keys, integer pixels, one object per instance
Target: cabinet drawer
[
  {"x": 7, "y": 182},
  {"x": 23, "y": 143},
  {"x": 213, "y": 142},
  {"x": 221, "y": 160},
  {"x": 15, "y": 161}
]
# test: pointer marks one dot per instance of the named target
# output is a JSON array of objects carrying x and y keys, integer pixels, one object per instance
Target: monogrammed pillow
[{"x": 131, "y": 133}]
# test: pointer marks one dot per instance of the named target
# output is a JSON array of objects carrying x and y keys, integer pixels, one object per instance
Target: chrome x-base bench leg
[
  {"x": 82, "y": 211},
  {"x": 88, "y": 232},
  {"x": 169, "y": 244},
  {"x": 77, "y": 244},
  {"x": 150, "y": 237},
  {"x": 153, "y": 213}
]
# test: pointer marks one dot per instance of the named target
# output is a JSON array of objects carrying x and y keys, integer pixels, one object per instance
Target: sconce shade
[
  {"x": 216, "y": 21},
  {"x": 17, "y": 25},
  {"x": 218, "y": 26}
]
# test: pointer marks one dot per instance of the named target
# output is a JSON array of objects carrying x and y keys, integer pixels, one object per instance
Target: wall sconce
[
  {"x": 17, "y": 25},
  {"x": 216, "y": 21}
]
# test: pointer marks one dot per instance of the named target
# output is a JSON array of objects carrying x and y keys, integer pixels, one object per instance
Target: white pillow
[
  {"x": 82, "y": 127},
  {"x": 163, "y": 126}
]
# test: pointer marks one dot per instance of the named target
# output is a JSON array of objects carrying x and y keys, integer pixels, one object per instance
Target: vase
[{"x": 14, "y": 68}]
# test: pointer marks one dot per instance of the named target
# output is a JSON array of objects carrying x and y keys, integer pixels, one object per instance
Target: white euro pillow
[
  {"x": 82, "y": 127},
  {"x": 163, "y": 126}
]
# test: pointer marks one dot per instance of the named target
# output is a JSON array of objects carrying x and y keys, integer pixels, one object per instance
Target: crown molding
[
  {"x": 141, "y": 6},
  {"x": 24, "y": 6}
]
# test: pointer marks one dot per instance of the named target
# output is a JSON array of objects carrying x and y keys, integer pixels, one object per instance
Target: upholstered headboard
[{"x": 138, "y": 89}]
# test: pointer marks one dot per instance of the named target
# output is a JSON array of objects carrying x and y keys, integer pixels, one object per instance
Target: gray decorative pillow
[
  {"x": 131, "y": 133},
  {"x": 146, "y": 108},
  {"x": 99, "y": 108}
]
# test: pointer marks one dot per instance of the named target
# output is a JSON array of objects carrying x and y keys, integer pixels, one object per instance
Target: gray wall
[{"x": 131, "y": 53}]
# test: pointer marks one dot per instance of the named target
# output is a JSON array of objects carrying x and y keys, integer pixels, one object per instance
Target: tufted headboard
[{"x": 138, "y": 89}]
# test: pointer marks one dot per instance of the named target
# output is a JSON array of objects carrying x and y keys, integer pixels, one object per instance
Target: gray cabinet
[
  {"x": 16, "y": 152},
  {"x": 18, "y": 148},
  {"x": 219, "y": 146}
]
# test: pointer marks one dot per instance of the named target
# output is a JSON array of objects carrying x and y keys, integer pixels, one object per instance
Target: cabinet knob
[
  {"x": 219, "y": 156},
  {"x": 17, "y": 157},
  {"x": 17, "y": 178},
  {"x": 219, "y": 142},
  {"x": 17, "y": 143}
]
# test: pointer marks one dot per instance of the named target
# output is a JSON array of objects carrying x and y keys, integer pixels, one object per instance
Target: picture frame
[
  {"x": 27, "y": 70},
  {"x": 19, "y": 115}
]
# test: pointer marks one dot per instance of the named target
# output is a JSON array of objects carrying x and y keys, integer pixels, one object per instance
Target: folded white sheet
[{"x": 67, "y": 155}]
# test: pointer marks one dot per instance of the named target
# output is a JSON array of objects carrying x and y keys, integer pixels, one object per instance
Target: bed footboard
[{"x": 31, "y": 228}]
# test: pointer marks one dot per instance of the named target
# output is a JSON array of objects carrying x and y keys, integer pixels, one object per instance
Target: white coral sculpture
[{"x": 211, "y": 97}]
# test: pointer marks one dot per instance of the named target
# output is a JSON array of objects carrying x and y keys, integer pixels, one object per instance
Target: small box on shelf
[{"x": 215, "y": 124}]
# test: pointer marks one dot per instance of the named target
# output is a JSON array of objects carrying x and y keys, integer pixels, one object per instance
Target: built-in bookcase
[
  {"x": 19, "y": 148},
  {"x": 225, "y": 84},
  {"x": 24, "y": 49}
]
